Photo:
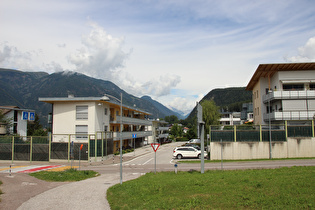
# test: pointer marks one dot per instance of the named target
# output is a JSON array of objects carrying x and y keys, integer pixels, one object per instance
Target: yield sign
[{"x": 155, "y": 146}]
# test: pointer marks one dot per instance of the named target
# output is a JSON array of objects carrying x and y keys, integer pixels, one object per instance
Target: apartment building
[
  {"x": 284, "y": 91},
  {"x": 81, "y": 117}
]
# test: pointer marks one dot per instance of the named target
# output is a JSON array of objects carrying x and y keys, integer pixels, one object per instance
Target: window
[
  {"x": 81, "y": 131},
  {"x": 105, "y": 111},
  {"x": 293, "y": 86},
  {"x": 105, "y": 128},
  {"x": 312, "y": 86},
  {"x": 15, "y": 116},
  {"x": 81, "y": 112}
]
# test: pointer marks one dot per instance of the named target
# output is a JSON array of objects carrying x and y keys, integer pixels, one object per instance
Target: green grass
[
  {"x": 69, "y": 175},
  {"x": 283, "y": 188}
]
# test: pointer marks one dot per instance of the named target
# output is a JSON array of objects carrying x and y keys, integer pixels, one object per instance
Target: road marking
[
  {"x": 7, "y": 169},
  {"x": 38, "y": 168},
  {"x": 147, "y": 161}
]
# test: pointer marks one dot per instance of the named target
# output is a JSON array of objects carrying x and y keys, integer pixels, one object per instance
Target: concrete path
[{"x": 86, "y": 194}]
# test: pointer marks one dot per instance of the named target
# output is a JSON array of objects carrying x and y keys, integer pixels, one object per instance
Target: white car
[{"x": 187, "y": 152}]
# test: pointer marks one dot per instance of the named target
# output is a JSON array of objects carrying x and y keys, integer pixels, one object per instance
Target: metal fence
[
  {"x": 40, "y": 148},
  {"x": 256, "y": 133}
]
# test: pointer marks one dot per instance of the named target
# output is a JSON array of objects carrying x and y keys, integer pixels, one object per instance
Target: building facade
[
  {"x": 81, "y": 117},
  {"x": 18, "y": 120},
  {"x": 283, "y": 92}
]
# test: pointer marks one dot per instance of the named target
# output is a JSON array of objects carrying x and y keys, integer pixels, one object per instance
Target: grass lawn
[
  {"x": 69, "y": 175},
  {"x": 283, "y": 188}
]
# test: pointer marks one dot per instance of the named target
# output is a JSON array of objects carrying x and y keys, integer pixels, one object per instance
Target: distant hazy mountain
[
  {"x": 164, "y": 111},
  {"x": 24, "y": 88}
]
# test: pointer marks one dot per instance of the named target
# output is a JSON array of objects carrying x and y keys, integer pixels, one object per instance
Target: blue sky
[{"x": 174, "y": 51}]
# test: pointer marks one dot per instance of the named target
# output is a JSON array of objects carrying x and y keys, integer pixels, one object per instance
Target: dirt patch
[{"x": 19, "y": 188}]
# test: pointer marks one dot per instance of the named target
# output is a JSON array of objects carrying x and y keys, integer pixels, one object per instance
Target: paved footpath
[{"x": 22, "y": 191}]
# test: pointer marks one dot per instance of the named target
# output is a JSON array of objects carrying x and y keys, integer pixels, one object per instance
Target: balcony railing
[
  {"x": 279, "y": 95},
  {"x": 163, "y": 128},
  {"x": 290, "y": 115},
  {"x": 131, "y": 121}
]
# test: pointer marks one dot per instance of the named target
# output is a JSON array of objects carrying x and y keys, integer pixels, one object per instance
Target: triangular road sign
[{"x": 155, "y": 146}]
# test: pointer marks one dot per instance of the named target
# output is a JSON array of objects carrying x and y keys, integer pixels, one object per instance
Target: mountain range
[{"x": 24, "y": 88}]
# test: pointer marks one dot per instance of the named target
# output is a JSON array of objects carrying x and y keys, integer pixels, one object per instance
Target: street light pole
[
  {"x": 270, "y": 147},
  {"x": 121, "y": 127},
  {"x": 120, "y": 133}
]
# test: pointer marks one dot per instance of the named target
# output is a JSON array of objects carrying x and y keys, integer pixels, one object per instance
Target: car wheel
[
  {"x": 179, "y": 156},
  {"x": 199, "y": 156}
]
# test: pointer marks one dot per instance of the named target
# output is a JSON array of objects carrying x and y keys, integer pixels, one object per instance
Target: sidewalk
[{"x": 86, "y": 194}]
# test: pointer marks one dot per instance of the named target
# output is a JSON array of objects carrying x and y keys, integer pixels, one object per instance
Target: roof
[
  {"x": 266, "y": 70},
  {"x": 7, "y": 109},
  {"x": 103, "y": 99}
]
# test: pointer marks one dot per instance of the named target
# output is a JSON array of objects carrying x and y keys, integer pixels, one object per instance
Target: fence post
[
  {"x": 68, "y": 148},
  {"x": 102, "y": 138},
  {"x": 95, "y": 138},
  {"x": 31, "y": 149},
  {"x": 12, "y": 149},
  {"x": 49, "y": 146},
  {"x": 313, "y": 128},
  {"x": 234, "y": 133},
  {"x": 260, "y": 133},
  {"x": 286, "y": 129},
  {"x": 210, "y": 133},
  {"x": 89, "y": 147}
]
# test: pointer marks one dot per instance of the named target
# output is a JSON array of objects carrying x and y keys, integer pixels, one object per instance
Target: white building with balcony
[
  {"x": 80, "y": 117},
  {"x": 282, "y": 92}
]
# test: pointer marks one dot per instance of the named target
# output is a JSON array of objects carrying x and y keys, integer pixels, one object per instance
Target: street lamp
[
  {"x": 269, "y": 108},
  {"x": 120, "y": 133}
]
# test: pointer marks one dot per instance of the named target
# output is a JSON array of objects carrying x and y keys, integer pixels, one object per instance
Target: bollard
[
  {"x": 175, "y": 166},
  {"x": 10, "y": 169}
]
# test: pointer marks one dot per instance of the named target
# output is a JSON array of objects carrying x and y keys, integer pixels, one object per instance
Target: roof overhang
[
  {"x": 103, "y": 99},
  {"x": 268, "y": 70}
]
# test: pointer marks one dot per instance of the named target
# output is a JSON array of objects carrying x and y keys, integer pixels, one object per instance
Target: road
[{"x": 164, "y": 162}]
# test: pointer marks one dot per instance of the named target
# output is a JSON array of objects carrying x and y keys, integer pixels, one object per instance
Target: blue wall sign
[
  {"x": 32, "y": 116},
  {"x": 24, "y": 115}
]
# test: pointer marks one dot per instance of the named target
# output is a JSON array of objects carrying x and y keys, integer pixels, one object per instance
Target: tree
[
  {"x": 171, "y": 119},
  {"x": 210, "y": 114},
  {"x": 35, "y": 128},
  {"x": 5, "y": 121},
  {"x": 176, "y": 130},
  {"x": 192, "y": 133}
]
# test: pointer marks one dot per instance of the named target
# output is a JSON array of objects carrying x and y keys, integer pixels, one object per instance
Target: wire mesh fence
[
  {"x": 256, "y": 133},
  {"x": 40, "y": 148}
]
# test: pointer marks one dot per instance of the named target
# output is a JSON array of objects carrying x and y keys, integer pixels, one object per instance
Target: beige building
[
  {"x": 83, "y": 118},
  {"x": 284, "y": 91}
]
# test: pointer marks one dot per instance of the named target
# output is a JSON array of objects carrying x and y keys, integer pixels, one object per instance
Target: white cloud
[
  {"x": 306, "y": 53},
  {"x": 101, "y": 53},
  {"x": 10, "y": 56}
]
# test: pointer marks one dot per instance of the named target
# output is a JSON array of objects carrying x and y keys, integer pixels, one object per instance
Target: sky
[{"x": 174, "y": 51}]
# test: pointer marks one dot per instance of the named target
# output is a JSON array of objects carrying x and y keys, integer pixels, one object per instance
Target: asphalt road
[{"x": 22, "y": 191}]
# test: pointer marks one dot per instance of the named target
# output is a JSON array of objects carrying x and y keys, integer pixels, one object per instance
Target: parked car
[
  {"x": 192, "y": 145},
  {"x": 187, "y": 152},
  {"x": 194, "y": 141}
]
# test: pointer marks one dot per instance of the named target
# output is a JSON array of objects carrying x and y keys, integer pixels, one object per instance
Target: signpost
[
  {"x": 155, "y": 147},
  {"x": 201, "y": 129},
  {"x": 134, "y": 136},
  {"x": 80, "y": 155}
]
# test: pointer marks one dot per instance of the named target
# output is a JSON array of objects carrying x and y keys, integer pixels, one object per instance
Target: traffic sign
[
  {"x": 134, "y": 136},
  {"x": 24, "y": 115},
  {"x": 155, "y": 146},
  {"x": 32, "y": 116}
]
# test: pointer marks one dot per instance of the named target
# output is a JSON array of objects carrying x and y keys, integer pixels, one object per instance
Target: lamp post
[
  {"x": 270, "y": 147},
  {"x": 120, "y": 133}
]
